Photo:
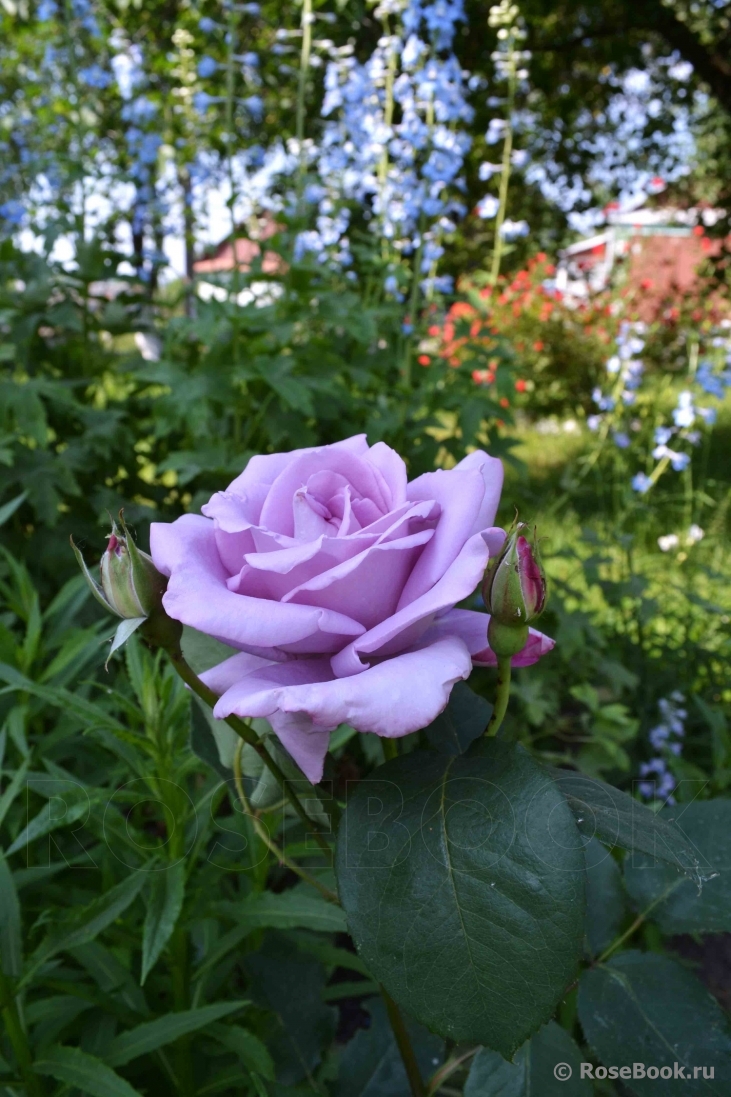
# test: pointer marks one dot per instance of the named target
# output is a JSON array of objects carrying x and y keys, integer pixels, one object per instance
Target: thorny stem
[
  {"x": 18, "y": 1038},
  {"x": 249, "y": 736},
  {"x": 263, "y": 833},
  {"x": 502, "y": 695},
  {"x": 403, "y": 1042}
]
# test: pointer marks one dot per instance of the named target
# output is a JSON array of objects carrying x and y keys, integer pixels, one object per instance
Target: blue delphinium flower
[
  {"x": 666, "y": 738},
  {"x": 94, "y": 76},
  {"x": 206, "y": 67},
  {"x": 12, "y": 211},
  {"x": 46, "y": 10},
  {"x": 487, "y": 207},
  {"x": 641, "y": 483}
]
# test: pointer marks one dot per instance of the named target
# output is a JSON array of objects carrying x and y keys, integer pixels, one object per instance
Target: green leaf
[
  {"x": 90, "y": 713},
  {"x": 248, "y": 1047},
  {"x": 295, "y": 908},
  {"x": 606, "y": 899},
  {"x": 201, "y": 651},
  {"x": 687, "y": 907},
  {"x": 83, "y": 1071},
  {"x": 152, "y": 1035},
  {"x": 463, "y": 882},
  {"x": 52, "y": 816},
  {"x": 111, "y": 975},
  {"x": 11, "y": 941},
  {"x": 371, "y": 1065},
  {"x": 14, "y": 787},
  {"x": 211, "y": 740},
  {"x": 644, "y": 1008},
  {"x": 89, "y": 922},
  {"x": 291, "y": 987},
  {"x": 7, "y": 510},
  {"x": 462, "y": 721},
  {"x": 616, "y": 819},
  {"x": 165, "y": 893},
  {"x": 532, "y": 1070}
]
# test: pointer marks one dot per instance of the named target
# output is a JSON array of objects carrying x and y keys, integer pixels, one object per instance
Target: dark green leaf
[
  {"x": 202, "y": 651},
  {"x": 616, "y": 819},
  {"x": 151, "y": 1035},
  {"x": 11, "y": 942},
  {"x": 291, "y": 986},
  {"x": 689, "y": 907},
  {"x": 462, "y": 721},
  {"x": 644, "y": 1008},
  {"x": 463, "y": 882},
  {"x": 371, "y": 1065},
  {"x": 85, "y": 1072},
  {"x": 7, "y": 510},
  {"x": 211, "y": 740},
  {"x": 248, "y": 1047},
  {"x": 164, "y": 898},
  {"x": 57, "y": 812},
  {"x": 295, "y": 908},
  {"x": 606, "y": 900},
  {"x": 111, "y": 975},
  {"x": 532, "y": 1071},
  {"x": 89, "y": 922}
]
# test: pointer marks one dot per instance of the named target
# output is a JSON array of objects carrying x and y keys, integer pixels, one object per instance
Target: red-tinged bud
[
  {"x": 131, "y": 588},
  {"x": 132, "y": 585},
  {"x": 514, "y": 591}
]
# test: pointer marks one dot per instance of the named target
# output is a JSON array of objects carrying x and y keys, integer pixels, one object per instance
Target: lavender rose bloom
[{"x": 336, "y": 580}]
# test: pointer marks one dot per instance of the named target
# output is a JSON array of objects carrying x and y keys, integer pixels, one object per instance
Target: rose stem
[
  {"x": 403, "y": 1042},
  {"x": 264, "y": 833},
  {"x": 249, "y": 736},
  {"x": 502, "y": 695}
]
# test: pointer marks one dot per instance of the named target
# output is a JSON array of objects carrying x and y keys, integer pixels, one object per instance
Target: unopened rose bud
[
  {"x": 131, "y": 588},
  {"x": 514, "y": 592},
  {"x": 132, "y": 585}
]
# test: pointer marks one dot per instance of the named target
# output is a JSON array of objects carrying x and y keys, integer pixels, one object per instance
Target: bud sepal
[{"x": 514, "y": 591}]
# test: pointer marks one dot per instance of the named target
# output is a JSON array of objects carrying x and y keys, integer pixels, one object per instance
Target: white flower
[{"x": 668, "y": 542}]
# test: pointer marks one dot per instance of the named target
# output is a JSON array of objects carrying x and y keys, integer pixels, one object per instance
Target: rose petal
[
  {"x": 460, "y": 494},
  {"x": 367, "y": 481},
  {"x": 366, "y": 588},
  {"x": 264, "y": 468},
  {"x": 471, "y": 627},
  {"x": 491, "y": 470},
  {"x": 392, "y": 468},
  {"x": 393, "y": 698},
  {"x": 404, "y": 628},
  {"x": 197, "y": 595},
  {"x": 232, "y": 670}
]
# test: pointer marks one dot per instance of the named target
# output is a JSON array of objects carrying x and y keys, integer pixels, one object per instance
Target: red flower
[
  {"x": 424, "y": 360},
  {"x": 538, "y": 345},
  {"x": 520, "y": 386}
]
